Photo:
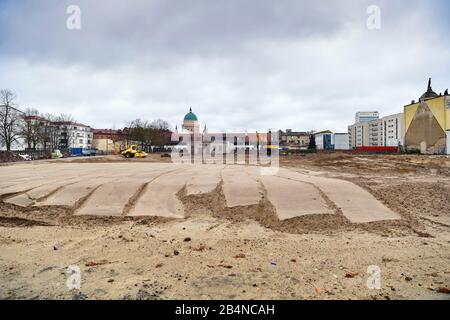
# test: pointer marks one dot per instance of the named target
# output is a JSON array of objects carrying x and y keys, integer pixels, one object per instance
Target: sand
[{"x": 242, "y": 252}]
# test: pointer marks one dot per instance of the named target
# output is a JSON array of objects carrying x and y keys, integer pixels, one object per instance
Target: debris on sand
[
  {"x": 226, "y": 266},
  {"x": 200, "y": 248},
  {"x": 443, "y": 290},
  {"x": 96, "y": 263},
  {"x": 7, "y": 156},
  {"x": 350, "y": 274}
]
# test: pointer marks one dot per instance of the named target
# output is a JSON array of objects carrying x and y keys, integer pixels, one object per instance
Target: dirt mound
[
  {"x": 7, "y": 156},
  {"x": 213, "y": 204}
]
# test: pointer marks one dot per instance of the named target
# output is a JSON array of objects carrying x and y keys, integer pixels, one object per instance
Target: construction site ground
[{"x": 151, "y": 229}]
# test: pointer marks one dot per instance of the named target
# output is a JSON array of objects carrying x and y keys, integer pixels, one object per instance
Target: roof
[
  {"x": 69, "y": 122},
  {"x": 323, "y": 132},
  {"x": 429, "y": 94},
  {"x": 190, "y": 116},
  {"x": 34, "y": 117},
  {"x": 294, "y": 133}
]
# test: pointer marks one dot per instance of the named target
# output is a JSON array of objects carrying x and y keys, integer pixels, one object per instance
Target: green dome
[{"x": 190, "y": 116}]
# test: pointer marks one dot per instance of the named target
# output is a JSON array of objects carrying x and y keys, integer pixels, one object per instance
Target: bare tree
[
  {"x": 138, "y": 132},
  {"x": 65, "y": 117},
  {"x": 50, "y": 133},
  {"x": 148, "y": 134},
  {"x": 10, "y": 118},
  {"x": 159, "y": 124},
  {"x": 64, "y": 123},
  {"x": 159, "y": 132},
  {"x": 32, "y": 127}
]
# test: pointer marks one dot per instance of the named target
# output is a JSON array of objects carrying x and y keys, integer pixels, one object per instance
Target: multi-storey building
[
  {"x": 385, "y": 132},
  {"x": 392, "y": 130},
  {"x": 73, "y": 135},
  {"x": 358, "y": 134},
  {"x": 366, "y": 116}
]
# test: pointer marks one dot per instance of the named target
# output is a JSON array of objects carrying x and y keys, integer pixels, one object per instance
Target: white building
[
  {"x": 358, "y": 134},
  {"x": 385, "y": 132},
  {"x": 341, "y": 141},
  {"x": 73, "y": 135},
  {"x": 324, "y": 140},
  {"x": 366, "y": 116},
  {"x": 392, "y": 130}
]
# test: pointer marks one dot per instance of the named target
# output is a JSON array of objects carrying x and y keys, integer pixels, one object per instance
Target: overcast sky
[{"x": 244, "y": 64}]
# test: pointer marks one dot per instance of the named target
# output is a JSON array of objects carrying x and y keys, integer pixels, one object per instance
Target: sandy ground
[{"x": 246, "y": 253}]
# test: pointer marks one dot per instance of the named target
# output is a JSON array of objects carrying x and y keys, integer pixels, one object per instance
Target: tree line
[
  {"x": 30, "y": 125},
  {"x": 148, "y": 133},
  {"x": 39, "y": 130}
]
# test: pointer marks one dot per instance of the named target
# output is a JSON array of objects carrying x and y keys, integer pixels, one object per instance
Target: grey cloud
[{"x": 241, "y": 64}]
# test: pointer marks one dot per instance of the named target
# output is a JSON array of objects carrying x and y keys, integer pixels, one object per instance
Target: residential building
[
  {"x": 108, "y": 140},
  {"x": 73, "y": 135},
  {"x": 382, "y": 132},
  {"x": 427, "y": 123},
  {"x": 366, "y": 116},
  {"x": 35, "y": 132},
  {"x": 294, "y": 139},
  {"x": 392, "y": 130},
  {"x": 358, "y": 134}
]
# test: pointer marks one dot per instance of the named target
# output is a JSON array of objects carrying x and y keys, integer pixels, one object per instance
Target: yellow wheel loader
[{"x": 133, "y": 151}]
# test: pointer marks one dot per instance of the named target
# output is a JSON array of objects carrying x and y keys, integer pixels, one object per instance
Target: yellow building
[{"x": 427, "y": 123}]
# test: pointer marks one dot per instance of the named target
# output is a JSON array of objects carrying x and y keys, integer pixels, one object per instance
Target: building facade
[
  {"x": 384, "y": 132},
  {"x": 392, "y": 130},
  {"x": 294, "y": 139},
  {"x": 108, "y": 141},
  {"x": 324, "y": 140},
  {"x": 73, "y": 135},
  {"x": 190, "y": 122},
  {"x": 427, "y": 123},
  {"x": 341, "y": 141},
  {"x": 366, "y": 116}
]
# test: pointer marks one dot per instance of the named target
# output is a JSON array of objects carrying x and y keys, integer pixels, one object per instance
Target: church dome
[
  {"x": 429, "y": 94},
  {"x": 190, "y": 116}
]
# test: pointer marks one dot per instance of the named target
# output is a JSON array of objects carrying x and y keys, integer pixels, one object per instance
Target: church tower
[{"x": 190, "y": 122}]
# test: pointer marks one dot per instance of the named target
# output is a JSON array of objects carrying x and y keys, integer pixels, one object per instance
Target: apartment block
[
  {"x": 366, "y": 116},
  {"x": 385, "y": 132}
]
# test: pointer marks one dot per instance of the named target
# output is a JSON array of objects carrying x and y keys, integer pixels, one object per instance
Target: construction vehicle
[{"x": 133, "y": 151}]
